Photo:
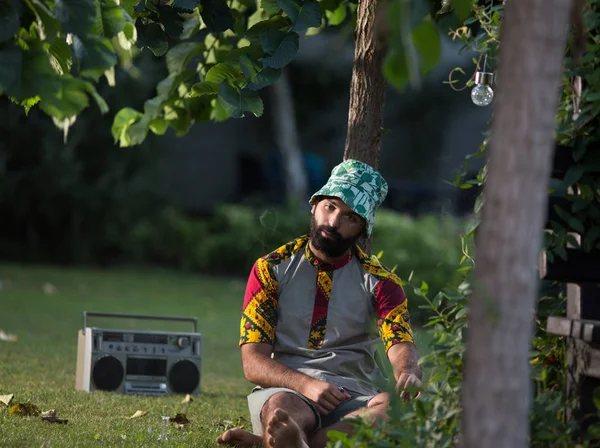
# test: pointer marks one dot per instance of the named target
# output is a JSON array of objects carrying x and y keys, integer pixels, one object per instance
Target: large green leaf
[
  {"x": 462, "y": 8},
  {"x": 171, "y": 21},
  {"x": 258, "y": 76},
  {"x": 303, "y": 13},
  {"x": 77, "y": 16},
  {"x": 48, "y": 25},
  {"x": 237, "y": 101},
  {"x": 11, "y": 60},
  {"x": 395, "y": 68},
  {"x": 205, "y": 88},
  {"x": 282, "y": 47},
  {"x": 270, "y": 6},
  {"x": 110, "y": 19},
  {"x": 179, "y": 55},
  {"x": 95, "y": 55},
  {"x": 123, "y": 120},
  {"x": 10, "y": 18},
  {"x": 216, "y": 15},
  {"x": 337, "y": 16},
  {"x": 153, "y": 37},
  {"x": 168, "y": 85},
  {"x": 186, "y": 5},
  {"x": 427, "y": 42},
  {"x": 223, "y": 71},
  {"x": 274, "y": 23},
  {"x": 60, "y": 56},
  {"x": 63, "y": 97}
]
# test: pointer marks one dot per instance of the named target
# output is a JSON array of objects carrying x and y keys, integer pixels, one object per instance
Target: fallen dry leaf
[
  {"x": 181, "y": 420},
  {"x": 49, "y": 288},
  {"x": 137, "y": 415},
  {"x": 7, "y": 337},
  {"x": 24, "y": 409},
  {"x": 54, "y": 419},
  {"x": 6, "y": 399},
  {"x": 188, "y": 399}
]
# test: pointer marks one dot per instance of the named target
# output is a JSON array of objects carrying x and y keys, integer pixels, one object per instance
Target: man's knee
[
  {"x": 379, "y": 402},
  {"x": 294, "y": 405}
]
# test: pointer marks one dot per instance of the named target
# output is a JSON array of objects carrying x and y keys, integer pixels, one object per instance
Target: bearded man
[{"x": 307, "y": 333}]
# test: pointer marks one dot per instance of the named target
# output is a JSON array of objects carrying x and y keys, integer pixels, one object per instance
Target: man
[{"x": 306, "y": 328}]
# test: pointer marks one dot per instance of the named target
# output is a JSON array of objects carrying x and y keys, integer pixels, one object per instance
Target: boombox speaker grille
[
  {"x": 184, "y": 377},
  {"x": 108, "y": 373}
]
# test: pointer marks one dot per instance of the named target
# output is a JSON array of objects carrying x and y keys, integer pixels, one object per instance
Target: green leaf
[
  {"x": 49, "y": 27},
  {"x": 179, "y": 56},
  {"x": 258, "y": 76},
  {"x": 168, "y": 85},
  {"x": 10, "y": 19},
  {"x": 63, "y": 97},
  {"x": 223, "y": 71},
  {"x": 573, "y": 222},
  {"x": 337, "y": 16},
  {"x": 590, "y": 238},
  {"x": 110, "y": 19},
  {"x": 60, "y": 56},
  {"x": 427, "y": 42},
  {"x": 274, "y": 23},
  {"x": 573, "y": 175},
  {"x": 95, "y": 55},
  {"x": 461, "y": 313},
  {"x": 205, "y": 88},
  {"x": 171, "y": 21},
  {"x": 152, "y": 37},
  {"x": 596, "y": 396},
  {"x": 121, "y": 123},
  {"x": 462, "y": 9},
  {"x": 270, "y": 6},
  {"x": 186, "y": 5},
  {"x": 395, "y": 68},
  {"x": 77, "y": 16},
  {"x": 158, "y": 126},
  {"x": 11, "y": 60},
  {"x": 304, "y": 14},
  {"x": 237, "y": 101},
  {"x": 216, "y": 15},
  {"x": 282, "y": 47}
]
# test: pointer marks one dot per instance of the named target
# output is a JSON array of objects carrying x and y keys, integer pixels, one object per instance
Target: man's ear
[{"x": 313, "y": 208}]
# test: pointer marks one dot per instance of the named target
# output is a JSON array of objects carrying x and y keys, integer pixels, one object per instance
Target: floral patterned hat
[{"x": 359, "y": 185}]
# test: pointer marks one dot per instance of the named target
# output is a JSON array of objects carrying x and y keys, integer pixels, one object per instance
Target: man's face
[{"x": 334, "y": 227}]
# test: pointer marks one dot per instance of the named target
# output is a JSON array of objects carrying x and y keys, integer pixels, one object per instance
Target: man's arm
[
  {"x": 257, "y": 338},
  {"x": 404, "y": 360}
]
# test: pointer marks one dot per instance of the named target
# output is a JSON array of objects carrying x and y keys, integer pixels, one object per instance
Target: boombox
[{"x": 138, "y": 362}]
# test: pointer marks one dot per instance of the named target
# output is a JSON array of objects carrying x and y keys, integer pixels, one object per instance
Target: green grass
[{"x": 40, "y": 367}]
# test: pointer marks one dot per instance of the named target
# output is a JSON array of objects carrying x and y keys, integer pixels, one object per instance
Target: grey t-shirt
[{"x": 325, "y": 320}]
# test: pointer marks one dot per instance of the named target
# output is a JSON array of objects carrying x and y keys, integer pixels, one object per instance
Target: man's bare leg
[
  {"x": 239, "y": 438},
  {"x": 283, "y": 432},
  {"x": 375, "y": 411},
  {"x": 294, "y": 408}
]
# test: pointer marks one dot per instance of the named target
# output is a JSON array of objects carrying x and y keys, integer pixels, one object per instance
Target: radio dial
[{"x": 183, "y": 342}]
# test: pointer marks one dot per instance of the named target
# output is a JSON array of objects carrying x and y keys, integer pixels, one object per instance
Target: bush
[{"x": 235, "y": 236}]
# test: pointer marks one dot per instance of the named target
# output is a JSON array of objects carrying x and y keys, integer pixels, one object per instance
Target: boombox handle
[{"x": 193, "y": 320}]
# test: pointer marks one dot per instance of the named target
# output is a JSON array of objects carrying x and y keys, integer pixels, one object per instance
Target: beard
[{"x": 333, "y": 245}]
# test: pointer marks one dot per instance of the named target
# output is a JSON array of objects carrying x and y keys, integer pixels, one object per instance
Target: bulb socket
[{"x": 484, "y": 78}]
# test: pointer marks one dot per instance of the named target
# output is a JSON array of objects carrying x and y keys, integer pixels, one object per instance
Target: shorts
[{"x": 259, "y": 396}]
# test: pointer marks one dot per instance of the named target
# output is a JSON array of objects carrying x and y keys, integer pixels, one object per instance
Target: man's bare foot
[
  {"x": 239, "y": 438},
  {"x": 284, "y": 432}
]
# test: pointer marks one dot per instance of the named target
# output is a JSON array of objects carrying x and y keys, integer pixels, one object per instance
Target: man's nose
[{"x": 334, "y": 220}]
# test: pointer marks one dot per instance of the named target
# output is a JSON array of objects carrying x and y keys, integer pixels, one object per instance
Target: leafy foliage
[{"x": 53, "y": 53}]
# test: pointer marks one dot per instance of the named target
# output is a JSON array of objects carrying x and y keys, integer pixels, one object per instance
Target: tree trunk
[
  {"x": 367, "y": 89},
  {"x": 286, "y": 136},
  {"x": 496, "y": 389}
]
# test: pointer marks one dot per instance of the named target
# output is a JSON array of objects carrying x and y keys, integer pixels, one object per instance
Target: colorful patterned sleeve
[
  {"x": 392, "y": 311},
  {"x": 259, "y": 312}
]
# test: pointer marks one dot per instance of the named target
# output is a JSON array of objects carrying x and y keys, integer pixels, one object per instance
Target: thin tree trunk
[
  {"x": 286, "y": 136},
  {"x": 496, "y": 389},
  {"x": 367, "y": 89}
]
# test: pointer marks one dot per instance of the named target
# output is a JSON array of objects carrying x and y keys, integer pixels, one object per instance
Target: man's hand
[
  {"x": 406, "y": 380},
  {"x": 325, "y": 396}
]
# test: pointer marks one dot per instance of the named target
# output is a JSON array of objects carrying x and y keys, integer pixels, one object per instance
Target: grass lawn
[{"x": 39, "y": 368}]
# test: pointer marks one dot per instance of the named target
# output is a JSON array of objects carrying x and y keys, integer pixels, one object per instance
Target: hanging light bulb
[{"x": 482, "y": 94}]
